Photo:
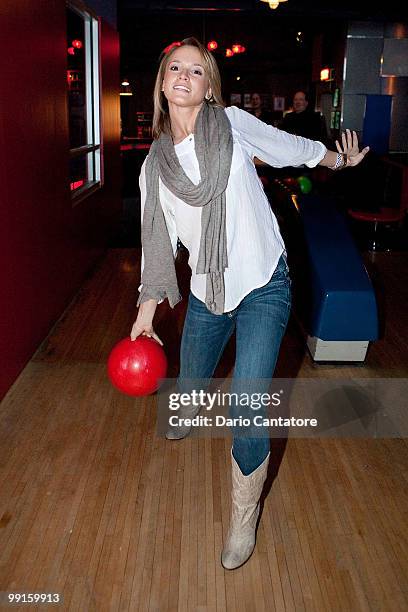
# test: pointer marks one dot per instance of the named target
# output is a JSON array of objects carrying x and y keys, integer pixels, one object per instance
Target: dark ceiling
[
  {"x": 147, "y": 26},
  {"x": 339, "y": 9}
]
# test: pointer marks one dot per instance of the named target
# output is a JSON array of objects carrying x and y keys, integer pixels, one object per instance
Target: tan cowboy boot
[
  {"x": 178, "y": 432},
  {"x": 246, "y": 491}
]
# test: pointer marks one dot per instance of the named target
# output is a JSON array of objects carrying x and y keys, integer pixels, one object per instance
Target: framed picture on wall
[
  {"x": 236, "y": 99},
  {"x": 278, "y": 103},
  {"x": 247, "y": 100}
]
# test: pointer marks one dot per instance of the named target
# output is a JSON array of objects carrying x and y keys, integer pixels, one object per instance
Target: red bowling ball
[{"x": 136, "y": 367}]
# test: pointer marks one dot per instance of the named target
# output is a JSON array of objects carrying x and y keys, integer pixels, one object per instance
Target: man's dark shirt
[
  {"x": 265, "y": 116},
  {"x": 307, "y": 124}
]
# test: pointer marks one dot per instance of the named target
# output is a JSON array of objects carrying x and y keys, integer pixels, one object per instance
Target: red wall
[{"x": 46, "y": 246}]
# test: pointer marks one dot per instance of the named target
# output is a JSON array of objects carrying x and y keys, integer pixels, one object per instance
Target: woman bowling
[{"x": 199, "y": 183}]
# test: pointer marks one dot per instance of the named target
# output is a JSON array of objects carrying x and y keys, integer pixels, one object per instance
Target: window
[{"x": 85, "y": 172}]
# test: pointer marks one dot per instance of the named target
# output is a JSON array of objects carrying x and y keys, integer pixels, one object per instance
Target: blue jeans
[{"x": 259, "y": 321}]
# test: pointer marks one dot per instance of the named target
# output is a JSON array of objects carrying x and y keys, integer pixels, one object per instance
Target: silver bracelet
[{"x": 341, "y": 162}]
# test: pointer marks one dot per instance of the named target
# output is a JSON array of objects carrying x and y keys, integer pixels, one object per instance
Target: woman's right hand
[
  {"x": 145, "y": 330},
  {"x": 143, "y": 324}
]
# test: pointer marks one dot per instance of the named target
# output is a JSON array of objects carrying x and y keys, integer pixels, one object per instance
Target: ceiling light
[{"x": 273, "y": 4}]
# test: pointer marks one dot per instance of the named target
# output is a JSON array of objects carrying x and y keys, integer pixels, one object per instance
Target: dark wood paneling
[{"x": 46, "y": 246}]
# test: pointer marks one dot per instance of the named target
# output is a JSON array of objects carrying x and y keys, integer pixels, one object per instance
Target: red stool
[{"x": 385, "y": 216}]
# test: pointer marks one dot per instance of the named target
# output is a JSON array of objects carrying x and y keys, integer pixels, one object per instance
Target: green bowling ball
[{"x": 305, "y": 184}]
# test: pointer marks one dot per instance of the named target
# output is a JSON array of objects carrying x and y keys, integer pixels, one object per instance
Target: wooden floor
[{"x": 96, "y": 507}]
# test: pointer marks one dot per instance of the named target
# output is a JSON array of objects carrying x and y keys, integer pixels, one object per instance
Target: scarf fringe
[{"x": 151, "y": 292}]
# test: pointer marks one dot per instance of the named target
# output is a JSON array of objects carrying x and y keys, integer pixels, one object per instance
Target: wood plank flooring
[{"x": 95, "y": 506}]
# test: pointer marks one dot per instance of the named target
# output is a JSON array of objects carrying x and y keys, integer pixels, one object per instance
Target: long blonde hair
[{"x": 161, "y": 117}]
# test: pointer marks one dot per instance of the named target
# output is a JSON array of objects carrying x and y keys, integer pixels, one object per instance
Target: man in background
[
  {"x": 303, "y": 121},
  {"x": 258, "y": 109}
]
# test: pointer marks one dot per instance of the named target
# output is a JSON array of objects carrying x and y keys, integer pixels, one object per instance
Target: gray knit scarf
[{"x": 213, "y": 147}]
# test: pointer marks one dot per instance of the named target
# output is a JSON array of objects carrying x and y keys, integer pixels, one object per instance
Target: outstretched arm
[{"x": 348, "y": 153}]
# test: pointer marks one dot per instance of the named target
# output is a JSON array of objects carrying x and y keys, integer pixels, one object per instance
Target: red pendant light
[{"x": 170, "y": 47}]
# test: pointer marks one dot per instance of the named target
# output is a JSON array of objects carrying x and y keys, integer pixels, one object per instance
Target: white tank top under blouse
[{"x": 254, "y": 242}]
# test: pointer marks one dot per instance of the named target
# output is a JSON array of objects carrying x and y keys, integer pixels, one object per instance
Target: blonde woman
[{"x": 199, "y": 183}]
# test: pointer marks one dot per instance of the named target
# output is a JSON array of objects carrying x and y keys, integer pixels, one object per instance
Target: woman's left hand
[{"x": 350, "y": 148}]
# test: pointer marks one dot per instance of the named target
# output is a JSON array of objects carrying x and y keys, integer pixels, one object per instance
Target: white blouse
[{"x": 254, "y": 242}]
